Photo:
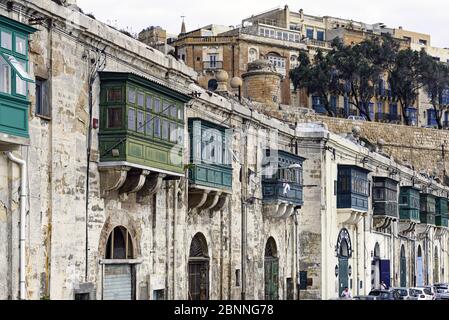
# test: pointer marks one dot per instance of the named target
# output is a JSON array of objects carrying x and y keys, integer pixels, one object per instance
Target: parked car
[
  {"x": 357, "y": 118},
  {"x": 405, "y": 293},
  {"x": 423, "y": 293},
  {"x": 385, "y": 294},
  {"x": 441, "y": 294},
  {"x": 364, "y": 298},
  {"x": 442, "y": 286}
]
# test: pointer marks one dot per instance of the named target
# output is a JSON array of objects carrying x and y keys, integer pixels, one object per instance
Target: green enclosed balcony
[
  {"x": 441, "y": 208},
  {"x": 210, "y": 157},
  {"x": 141, "y": 137},
  {"x": 210, "y": 168},
  {"x": 409, "y": 202},
  {"x": 141, "y": 124},
  {"x": 427, "y": 209},
  {"x": 352, "y": 188},
  {"x": 385, "y": 197},
  {"x": 14, "y": 79}
]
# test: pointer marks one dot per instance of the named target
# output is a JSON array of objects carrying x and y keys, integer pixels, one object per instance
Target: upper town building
[{"x": 124, "y": 179}]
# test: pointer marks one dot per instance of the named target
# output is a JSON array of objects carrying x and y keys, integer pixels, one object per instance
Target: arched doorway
[
  {"x": 271, "y": 269},
  {"x": 198, "y": 268},
  {"x": 436, "y": 267},
  {"x": 119, "y": 275},
  {"x": 375, "y": 267},
  {"x": 403, "y": 268},
  {"x": 344, "y": 252},
  {"x": 419, "y": 269}
]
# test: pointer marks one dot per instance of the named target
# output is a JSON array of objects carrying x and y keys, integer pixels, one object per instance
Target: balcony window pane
[
  {"x": 131, "y": 119},
  {"x": 115, "y": 117},
  {"x": 5, "y": 76},
  {"x": 21, "y": 45},
  {"x": 180, "y": 135},
  {"x": 173, "y": 132},
  {"x": 140, "y": 99},
  {"x": 132, "y": 95},
  {"x": 180, "y": 113},
  {"x": 140, "y": 122},
  {"x": 114, "y": 95},
  {"x": 173, "y": 111},
  {"x": 157, "y": 127},
  {"x": 157, "y": 105},
  {"x": 166, "y": 109},
  {"x": 149, "y": 125},
  {"x": 6, "y": 40},
  {"x": 21, "y": 86},
  {"x": 149, "y": 103},
  {"x": 165, "y": 130}
]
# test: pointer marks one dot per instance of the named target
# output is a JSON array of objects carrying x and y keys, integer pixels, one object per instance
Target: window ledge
[{"x": 121, "y": 261}]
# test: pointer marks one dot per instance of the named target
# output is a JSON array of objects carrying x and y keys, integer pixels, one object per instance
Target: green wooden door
[
  {"x": 403, "y": 271},
  {"x": 343, "y": 278},
  {"x": 271, "y": 278}
]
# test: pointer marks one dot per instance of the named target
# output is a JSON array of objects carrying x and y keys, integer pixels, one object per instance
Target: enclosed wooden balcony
[
  {"x": 441, "y": 210},
  {"x": 210, "y": 168},
  {"x": 427, "y": 209},
  {"x": 352, "y": 193},
  {"x": 282, "y": 183},
  {"x": 141, "y": 131}
]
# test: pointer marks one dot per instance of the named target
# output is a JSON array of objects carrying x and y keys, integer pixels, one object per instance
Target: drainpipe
[
  {"x": 244, "y": 186},
  {"x": 23, "y": 198}
]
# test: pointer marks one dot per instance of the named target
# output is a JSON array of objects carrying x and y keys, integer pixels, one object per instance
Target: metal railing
[{"x": 316, "y": 43}]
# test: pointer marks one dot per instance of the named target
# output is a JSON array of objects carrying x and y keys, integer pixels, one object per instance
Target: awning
[{"x": 17, "y": 67}]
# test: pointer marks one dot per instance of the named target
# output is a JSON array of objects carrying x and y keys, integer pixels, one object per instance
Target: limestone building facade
[{"x": 122, "y": 178}]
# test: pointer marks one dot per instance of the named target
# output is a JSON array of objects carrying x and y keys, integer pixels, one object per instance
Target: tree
[
  {"x": 405, "y": 79},
  {"x": 360, "y": 67},
  {"x": 435, "y": 78},
  {"x": 318, "y": 79}
]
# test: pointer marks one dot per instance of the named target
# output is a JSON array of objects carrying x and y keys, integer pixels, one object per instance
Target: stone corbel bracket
[
  {"x": 422, "y": 230},
  {"x": 278, "y": 210},
  {"x": 350, "y": 216},
  {"x": 112, "y": 179},
  {"x": 440, "y": 233},
  {"x": 381, "y": 222},
  {"x": 134, "y": 181},
  {"x": 152, "y": 185},
  {"x": 406, "y": 227},
  {"x": 203, "y": 199}
]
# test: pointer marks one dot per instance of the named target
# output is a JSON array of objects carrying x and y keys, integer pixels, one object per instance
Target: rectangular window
[
  {"x": 21, "y": 45},
  {"x": 149, "y": 125},
  {"x": 132, "y": 119},
  {"x": 132, "y": 95},
  {"x": 296, "y": 37},
  {"x": 6, "y": 40},
  {"x": 165, "y": 129},
  {"x": 42, "y": 104},
  {"x": 261, "y": 31},
  {"x": 149, "y": 103},
  {"x": 5, "y": 76},
  {"x": 309, "y": 33},
  {"x": 115, "y": 117},
  {"x": 140, "y": 121},
  {"x": 157, "y": 105},
  {"x": 320, "y": 35},
  {"x": 285, "y": 36},
  {"x": 140, "y": 99},
  {"x": 157, "y": 127},
  {"x": 114, "y": 95},
  {"x": 279, "y": 35}
]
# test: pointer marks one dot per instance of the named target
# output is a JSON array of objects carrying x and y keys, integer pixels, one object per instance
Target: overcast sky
[{"x": 427, "y": 16}]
